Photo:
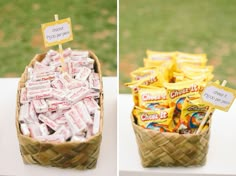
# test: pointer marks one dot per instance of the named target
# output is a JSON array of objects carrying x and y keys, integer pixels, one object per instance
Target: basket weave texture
[
  {"x": 79, "y": 155},
  {"x": 170, "y": 149}
]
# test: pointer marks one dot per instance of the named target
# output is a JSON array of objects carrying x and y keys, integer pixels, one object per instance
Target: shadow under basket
[
  {"x": 78, "y": 155},
  {"x": 170, "y": 149}
]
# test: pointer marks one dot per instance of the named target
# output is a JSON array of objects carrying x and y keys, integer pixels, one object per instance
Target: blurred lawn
[
  {"x": 93, "y": 22},
  {"x": 186, "y": 25}
]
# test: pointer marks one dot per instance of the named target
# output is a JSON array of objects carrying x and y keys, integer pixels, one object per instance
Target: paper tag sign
[
  {"x": 57, "y": 32},
  {"x": 218, "y": 96}
]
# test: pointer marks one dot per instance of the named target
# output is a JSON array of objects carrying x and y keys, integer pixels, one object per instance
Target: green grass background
[
  {"x": 93, "y": 25},
  {"x": 193, "y": 26}
]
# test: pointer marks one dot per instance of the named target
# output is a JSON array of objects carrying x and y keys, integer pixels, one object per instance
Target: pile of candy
[
  {"x": 166, "y": 91},
  {"x": 60, "y": 100}
]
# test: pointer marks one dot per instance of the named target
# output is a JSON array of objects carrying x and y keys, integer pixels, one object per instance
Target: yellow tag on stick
[
  {"x": 218, "y": 96},
  {"x": 57, "y": 32}
]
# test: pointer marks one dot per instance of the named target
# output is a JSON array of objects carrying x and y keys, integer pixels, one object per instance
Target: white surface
[
  {"x": 10, "y": 160},
  {"x": 221, "y": 159}
]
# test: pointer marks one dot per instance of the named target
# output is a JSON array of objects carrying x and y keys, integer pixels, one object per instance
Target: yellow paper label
[
  {"x": 218, "y": 96},
  {"x": 57, "y": 32}
]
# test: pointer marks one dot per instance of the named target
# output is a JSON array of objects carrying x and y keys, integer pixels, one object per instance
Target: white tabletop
[
  {"x": 221, "y": 159},
  {"x": 10, "y": 158}
]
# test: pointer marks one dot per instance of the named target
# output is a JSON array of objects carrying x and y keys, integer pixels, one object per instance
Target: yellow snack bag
[
  {"x": 152, "y": 98},
  {"x": 191, "y": 59},
  {"x": 200, "y": 58},
  {"x": 155, "y": 79},
  {"x": 160, "y": 56},
  {"x": 142, "y": 73},
  {"x": 153, "y": 63},
  {"x": 193, "y": 111},
  {"x": 159, "y": 120},
  {"x": 199, "y": 76},
  {"x": 165, "y": 68},
  {"x": 177, "y": 92},
  {"x": 186, "y": 68},
  {"x": 197, "y": 72},
  {"x": 148, "y": 63},
  {"x": 147, "y": 76}
]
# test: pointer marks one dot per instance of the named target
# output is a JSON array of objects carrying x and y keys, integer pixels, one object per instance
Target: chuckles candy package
[
  {"x": 60, "y": 101},
  {"x": 170, "y": 83}
]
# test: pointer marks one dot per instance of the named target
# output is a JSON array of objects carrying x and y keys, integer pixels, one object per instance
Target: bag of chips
[
  {"x": 159, "y": 120},
  {"x": 152, "y": 77},
  {"x": 191, "y": 59},
  {"x": 193, "y": 111},
  {"x": 160, "y": 56},
  {"x": 177, "y": 92},
  {"x": 152, "y": 98}
]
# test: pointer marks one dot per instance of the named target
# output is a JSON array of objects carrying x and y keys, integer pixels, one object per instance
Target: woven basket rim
[{"x": 91, "y": 138}]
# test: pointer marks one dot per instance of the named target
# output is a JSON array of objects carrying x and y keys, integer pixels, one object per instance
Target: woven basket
[
  {"x": 170, "y": 149},
  {"x": 79, "y": 155}
]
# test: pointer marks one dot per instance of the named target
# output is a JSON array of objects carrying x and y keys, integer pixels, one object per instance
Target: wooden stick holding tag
[
  {"x": 210, "y": 110},
  {"x": 60, "y": 47}
]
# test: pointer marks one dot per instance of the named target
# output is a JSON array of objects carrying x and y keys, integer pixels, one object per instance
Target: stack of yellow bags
[{"x": 166, "y": 91}]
